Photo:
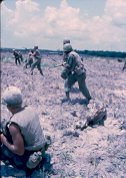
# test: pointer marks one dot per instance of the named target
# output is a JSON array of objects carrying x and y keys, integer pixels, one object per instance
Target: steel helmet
[
  {"x": 35, "y": 47},
  {"x": 67, "y": 47},
  {"x": 12, "y": 96},
  {"x": 66, "y": 41}
]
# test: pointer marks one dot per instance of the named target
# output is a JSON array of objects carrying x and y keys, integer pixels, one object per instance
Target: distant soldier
[
  {"x": 29, "y": 61},
  {"x": 37, "y": 63},
  {"x": 17, "y": 57},
  {"x": 74, "y": 71},
  {"x": 124, "y": 67},
  {"x": 20, "y": 56}
]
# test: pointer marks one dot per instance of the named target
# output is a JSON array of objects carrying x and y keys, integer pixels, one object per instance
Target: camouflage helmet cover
[
  {"x": 35, "y": 47},
  {"x": 67, "y": 47},
  {"x": 12, "y": 96},
  {"x": 66, "y": 41}
]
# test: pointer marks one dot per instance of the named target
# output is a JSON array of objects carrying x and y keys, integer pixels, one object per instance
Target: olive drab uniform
[
  {"x": 74, "y": 71},
  {"x": 124, "y": 67},
  {"x": 37, "y": 61},
  {"x": 17, "y": 57},
  {"x": 21, "y": 56},
  {"x": 29, "y": 61}
]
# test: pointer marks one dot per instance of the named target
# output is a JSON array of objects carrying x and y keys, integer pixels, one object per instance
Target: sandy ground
[{"x": 96, "y": 152}]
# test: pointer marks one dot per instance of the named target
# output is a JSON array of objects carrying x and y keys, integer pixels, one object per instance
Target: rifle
[{"x": 58, "y": 65}]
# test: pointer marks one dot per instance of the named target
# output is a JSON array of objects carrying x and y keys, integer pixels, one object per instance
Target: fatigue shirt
[
  {"x": 64, "y": 57},
  {"x": 29, "y": 125},
  {"x": 74, "y": 63},
  {"x": 16, "y": 55},
  {"x": 37, "y": 55}
]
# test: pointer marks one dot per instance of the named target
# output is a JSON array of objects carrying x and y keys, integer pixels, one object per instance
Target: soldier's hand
[{"x": 3, "y": 139}]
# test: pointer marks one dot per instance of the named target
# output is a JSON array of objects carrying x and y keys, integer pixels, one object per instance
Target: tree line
[{"x": 113, "y": 54}]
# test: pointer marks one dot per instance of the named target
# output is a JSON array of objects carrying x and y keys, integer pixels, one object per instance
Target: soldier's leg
[
  {"x": 69, "y": 82},
  {"x": 16, "y": 61},
  {"x": 33, "y": 66},
  {"x": 30, "y": 62},
  {"x": 124, "y": 67},
  {"x": 8, "y": 157},
  {"x": 25, "y": 65},
  {"x": 39, "y": 68},
  {"x": 22, "y": 59},
  {"x": 82, "y": 86}
]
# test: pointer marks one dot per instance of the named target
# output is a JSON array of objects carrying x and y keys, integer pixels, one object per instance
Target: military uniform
[
  {"x": 124, "y": 67},
  {"x": 17, "y": 57},
  {"x": 37, "y": 61},
  {"x": 74, "y": 71},
  {"x": 29, "y": 61},
  {"x": 21, "y": 56}
]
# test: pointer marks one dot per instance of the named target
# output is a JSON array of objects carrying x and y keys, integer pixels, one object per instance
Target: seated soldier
[{"x": 23, "y": 143}]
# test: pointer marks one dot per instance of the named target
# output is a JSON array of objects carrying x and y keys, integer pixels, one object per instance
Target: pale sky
[{"x": 89, "y": 24}]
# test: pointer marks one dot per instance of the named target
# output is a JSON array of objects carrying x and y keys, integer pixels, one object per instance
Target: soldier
[
  {"x": 37, "y": 63},
  {"x": 20, "y": 56},
  {"x": 17, "y": 57},
  {"x": 23, "y": 141},
  {"x": 29, "y": 61},
  {"x": 124, "y": 67},
  {"x": 74, "y": 71}
]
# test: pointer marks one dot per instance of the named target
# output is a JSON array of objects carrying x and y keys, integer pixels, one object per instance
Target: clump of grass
[{"x": 66, "y": 157}]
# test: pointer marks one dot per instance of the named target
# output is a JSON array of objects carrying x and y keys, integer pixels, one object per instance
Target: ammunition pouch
[
  {"x": 37, "y": 156},
  {"x": 34, "y": 160},
  {"x": 80, "y": 70},
  {"x": 65, "y": 73}
]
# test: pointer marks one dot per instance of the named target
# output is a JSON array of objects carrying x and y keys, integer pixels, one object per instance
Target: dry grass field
[{"x": 95, "y": 152}]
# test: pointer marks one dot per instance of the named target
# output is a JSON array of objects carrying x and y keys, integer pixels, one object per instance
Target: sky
[{"x": 89, "y": 24}]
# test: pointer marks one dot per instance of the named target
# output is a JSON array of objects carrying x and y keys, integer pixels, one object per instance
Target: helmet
[
  {"x": 67, "y": 47},
  {"x": 66, "y": 41},
  {"x": 12, "y": 96},
  {"x": 35, "y": 47}
]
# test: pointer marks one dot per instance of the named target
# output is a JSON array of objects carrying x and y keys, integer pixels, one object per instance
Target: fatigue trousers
[
  {"x": 37, "y": 64},
  {"x": 124, "y": 67},
  {"x": 70, "y": 81},
  {"x": 29, "y": 63},
  {"x": 14, "y": 159},
  {"x": 17, "y": 61}
]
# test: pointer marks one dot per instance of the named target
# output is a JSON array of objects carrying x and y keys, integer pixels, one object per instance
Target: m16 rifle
[{"x": 60, "y": 64}]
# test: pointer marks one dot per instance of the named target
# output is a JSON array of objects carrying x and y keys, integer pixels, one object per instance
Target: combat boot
[{"x": 67, "y": 98}]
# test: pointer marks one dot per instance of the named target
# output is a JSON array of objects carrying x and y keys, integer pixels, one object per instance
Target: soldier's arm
[
  {"x": 71, "y": 63},
  {"x": 34, "y": 53},
  {"x": 17, "y": 147}
]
